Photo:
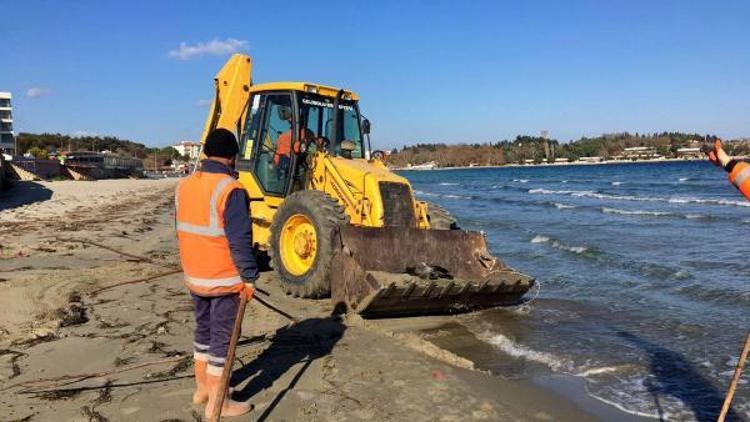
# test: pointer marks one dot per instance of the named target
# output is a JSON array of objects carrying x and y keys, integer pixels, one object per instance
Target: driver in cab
[{"x": 282, "y": 156}]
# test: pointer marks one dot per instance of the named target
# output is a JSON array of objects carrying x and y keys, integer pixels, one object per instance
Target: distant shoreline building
[
  {"x": 639, "y": 153},
  {"x": 691, "y": 152},
  {"x": 7, "y": 138},
  {"x": 189, "y": 148}
]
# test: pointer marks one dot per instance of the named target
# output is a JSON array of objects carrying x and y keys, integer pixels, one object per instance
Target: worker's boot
[
  {"x": 201, "y": 388},
  {"x": 230, "y": 407}
]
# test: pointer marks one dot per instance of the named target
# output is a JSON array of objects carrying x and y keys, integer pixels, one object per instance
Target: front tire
[{"x": 302, "y": 242}]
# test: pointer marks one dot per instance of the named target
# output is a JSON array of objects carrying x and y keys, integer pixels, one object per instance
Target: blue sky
[{"x": 426, "y": 71}]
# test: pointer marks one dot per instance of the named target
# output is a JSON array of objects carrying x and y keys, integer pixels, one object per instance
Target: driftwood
[
  {"x": 117, "y": 251},
  {"x": 140, "y": 280},
  {"x": 54, "y": 384},
  {"x": 57, "y": 382},
  {"x": 175, "y": 270},
  {"x": 265, "y": 302}
]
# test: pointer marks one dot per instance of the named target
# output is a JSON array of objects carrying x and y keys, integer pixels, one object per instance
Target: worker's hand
[
  {"x": 718, "y": 156},
  {"x": 249, "y": 291}
]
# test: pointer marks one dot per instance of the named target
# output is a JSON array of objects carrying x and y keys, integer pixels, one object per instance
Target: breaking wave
[
  {"x": 449, "y": 184},
  {"x": 560, "y": 206},
  {"x": 672, "y": 200},
  {"x": 452, "y": 196},
  {"x": 574, "y": 249},
  {"x": 637, "y": 212},
  {"x": 632, "y": 404},
  {"x": 516, "y": 350},
  {"x": 598, "y": 371},
  {"x": 521, "y": 180},
  {"x": 632, "y": 412},
  {"x": 616, "y": 183},
  {"x": 540, "y": 239},
  {"x": 552, "y": 192},
  {"x": 507, "y": 187},
  {"x": 423, "y": 193},
  {"x": 438, "y": 195},
  {"x": 709, "y": 201},
  {"x": 556, "y": 244},
  {"x": 646, "y": 213}
]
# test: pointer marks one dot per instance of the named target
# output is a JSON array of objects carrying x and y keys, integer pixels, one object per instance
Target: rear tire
[
  {"x": 440, "y": 218},
  {"x": 325, "y": 215}
]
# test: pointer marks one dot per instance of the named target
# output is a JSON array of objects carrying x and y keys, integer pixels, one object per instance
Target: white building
[
  {"x": 7, "y": 140},
  {"x": 690, "y": 152},
  {"x": 640, "y": 153},
  {"x": 189, "y": 148},
  {"x": 594, "y": 159}
]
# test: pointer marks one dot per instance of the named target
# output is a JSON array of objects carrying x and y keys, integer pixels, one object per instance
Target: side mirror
[{"x": 366, "y": 126}]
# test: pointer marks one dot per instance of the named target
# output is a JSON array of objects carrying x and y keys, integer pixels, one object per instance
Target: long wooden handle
[
  {"x": 225, "y": 374},
  {"x": 735, "y": 379}
]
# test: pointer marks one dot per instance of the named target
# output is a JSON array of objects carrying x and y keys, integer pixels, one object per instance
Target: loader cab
[{"x": 287, "y": 122}]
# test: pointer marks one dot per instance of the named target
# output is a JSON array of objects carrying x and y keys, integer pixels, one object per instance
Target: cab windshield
[{"x": 316, "y": 115}]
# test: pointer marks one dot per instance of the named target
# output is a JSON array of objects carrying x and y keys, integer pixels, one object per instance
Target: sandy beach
[{"x": 74, "y": 347}]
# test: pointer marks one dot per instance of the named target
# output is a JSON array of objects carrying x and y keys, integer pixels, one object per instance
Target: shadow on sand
[
  {"x": 23, "y": 193},
  {"x": 676, "y": 377},
  {"x": 303, "y": 342}
]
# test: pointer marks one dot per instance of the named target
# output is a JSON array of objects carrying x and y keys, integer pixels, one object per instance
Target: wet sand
[{"x": 133, "y": 341}]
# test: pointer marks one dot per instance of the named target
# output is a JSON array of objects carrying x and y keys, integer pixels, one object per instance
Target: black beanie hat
[{"x": 221, "y": 143}]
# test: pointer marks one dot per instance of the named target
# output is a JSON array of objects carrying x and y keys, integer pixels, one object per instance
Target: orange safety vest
[
  {"x": 284, "y": 146},
  {"x": 200, "y": 200},
  {"x": 740, "y": 177}
]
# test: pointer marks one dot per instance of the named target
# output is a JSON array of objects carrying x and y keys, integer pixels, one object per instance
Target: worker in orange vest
[
  {"x": 283, "y": 153},
  {"x": 214, "y": 234},
  {"x": 282, "y": 158},
  {"x": 739, "y": 171}
]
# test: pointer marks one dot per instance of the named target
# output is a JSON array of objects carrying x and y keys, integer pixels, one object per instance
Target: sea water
[{"x": 644, "y": 271}]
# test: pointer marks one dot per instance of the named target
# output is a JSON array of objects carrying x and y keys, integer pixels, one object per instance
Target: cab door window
[
  {"x": 273, "y": 162},
  {"x": 252, "y": 125},
  {"x": 249, "y": 137}
]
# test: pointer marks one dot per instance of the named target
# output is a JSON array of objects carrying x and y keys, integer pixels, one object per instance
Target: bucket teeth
[
  {"x": 389, "y": 290},
  {"x": 409, "y": 290},
  {"x": 447, "y": 289}
]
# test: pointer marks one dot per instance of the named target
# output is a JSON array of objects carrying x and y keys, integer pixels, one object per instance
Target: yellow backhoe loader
[{"x": 338, "y": 222}]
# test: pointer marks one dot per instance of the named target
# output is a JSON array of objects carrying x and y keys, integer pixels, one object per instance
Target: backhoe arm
[{"x": 232, "y": 85}]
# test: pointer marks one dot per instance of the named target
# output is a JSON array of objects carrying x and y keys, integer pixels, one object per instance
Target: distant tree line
[
  {"x": 539, "y": 149},
  {"x": 41, "y": 145}
]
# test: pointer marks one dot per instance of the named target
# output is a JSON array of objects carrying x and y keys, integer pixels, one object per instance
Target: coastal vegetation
[
  {"x": 526, "y": 149},
  {"x": 523, "y": 149},
  {"x": 41, "y": 145}
]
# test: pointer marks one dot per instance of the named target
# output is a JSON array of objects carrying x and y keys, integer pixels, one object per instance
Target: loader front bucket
[{"x": 387, "y": 272}]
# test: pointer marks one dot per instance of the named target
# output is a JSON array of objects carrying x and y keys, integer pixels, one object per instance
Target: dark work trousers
[
  {"x": 214, "y": 320},
  {"x": 283, "y": 167}
]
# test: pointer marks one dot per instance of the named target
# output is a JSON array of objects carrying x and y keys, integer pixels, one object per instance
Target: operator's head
[
  {"x": 222, "y": 146},
  {"x": 285, "y": 113}
]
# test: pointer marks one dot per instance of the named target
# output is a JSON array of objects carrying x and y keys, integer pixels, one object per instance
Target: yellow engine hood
[{"x": 364, "y": 181}]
